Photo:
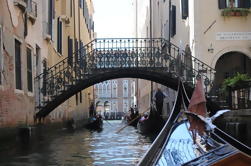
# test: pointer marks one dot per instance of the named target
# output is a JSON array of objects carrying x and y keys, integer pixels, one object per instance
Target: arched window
[
  {"x": 108, "y": 89},
  {"x": 125, "y": 88},
  {"x": 125, "y": 106},
  {"x": 114, "y": 88},
  {"x": 114, "y": 106},
  {"x": 99, "y": 90},
  {"x": 132, "y": 88},
  {"x": 103, "y": 89}
]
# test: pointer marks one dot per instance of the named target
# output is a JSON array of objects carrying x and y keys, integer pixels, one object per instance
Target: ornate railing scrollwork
[{"x": 125, "y": 53}]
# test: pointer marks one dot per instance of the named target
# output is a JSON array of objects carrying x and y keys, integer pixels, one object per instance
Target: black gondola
[
  {"x": 95, "y": 123},
  {"x": 150, "y": 124},
  {"x": 133, "y": 118},
  {"x": 175, "y": 145}
]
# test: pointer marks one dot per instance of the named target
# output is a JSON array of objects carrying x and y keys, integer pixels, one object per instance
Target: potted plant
[
  {"x": 233, "y": 11},
  {"x": 235, "y": 81}
]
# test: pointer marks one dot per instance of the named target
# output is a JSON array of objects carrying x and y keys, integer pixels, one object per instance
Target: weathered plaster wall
[{"x": 16, "y": 106}]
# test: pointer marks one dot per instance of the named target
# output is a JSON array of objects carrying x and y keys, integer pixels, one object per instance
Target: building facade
[
  {"x": 216, "y": 32},
  {"x": 35, "y": 35},
  {"x": 114, "y": 98},
  {"x": 70, "y": 26}
]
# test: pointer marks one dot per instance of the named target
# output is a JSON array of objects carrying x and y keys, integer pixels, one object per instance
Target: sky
[{"x": 114, "y": 18}]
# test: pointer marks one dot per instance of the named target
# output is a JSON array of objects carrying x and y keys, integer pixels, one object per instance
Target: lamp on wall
[{"x": 211, "y": 49}]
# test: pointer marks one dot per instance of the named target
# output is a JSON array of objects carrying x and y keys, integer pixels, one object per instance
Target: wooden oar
[{"x": 132, "y": 121}]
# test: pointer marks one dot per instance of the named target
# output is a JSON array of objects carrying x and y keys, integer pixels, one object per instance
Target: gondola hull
[
  {"x": 150, "y": 126},
  {"x": 94, "y": 123}
]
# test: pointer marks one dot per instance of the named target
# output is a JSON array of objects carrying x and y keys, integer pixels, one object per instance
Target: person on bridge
[{"x": 159, "y": 99}]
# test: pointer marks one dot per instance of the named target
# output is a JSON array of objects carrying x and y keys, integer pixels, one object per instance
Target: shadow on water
[{"x": 80, "y": 147}]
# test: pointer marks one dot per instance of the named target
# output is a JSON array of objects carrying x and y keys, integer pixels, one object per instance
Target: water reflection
[{"x": 81, "y": 147}]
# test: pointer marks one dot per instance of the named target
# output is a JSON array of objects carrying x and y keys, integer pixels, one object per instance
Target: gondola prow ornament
[{"x": 197, "y": 112}]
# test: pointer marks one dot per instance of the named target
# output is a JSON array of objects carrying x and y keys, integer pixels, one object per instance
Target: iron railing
[{"x": 124, "y": 53}]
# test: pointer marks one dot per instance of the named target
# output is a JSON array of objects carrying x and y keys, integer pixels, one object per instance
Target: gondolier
[{"x": 159, "y": 99}]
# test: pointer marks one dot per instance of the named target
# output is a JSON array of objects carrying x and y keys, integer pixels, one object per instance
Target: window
[
  {"x": 125, "y": 88},
  {"x": 1, "y": 54},
  {"x": 44, "y": 76},
  {"x": 70, "y": 7},
  {"x": 184, "y": 5},
  {"x": 59, "y": 36},
  {"x": 81, "y": 3},
  {"x": 51, "y": 16},
  {"x": 114, "y": 106},
  {"x": 173, "y": 21},
  {"x": 18, "y": 65},
  {"x": 125, "y": 106},
  {"x": 76, "y": 50},
  {"x": 234, "y": 3},
  {"x": 100, "y": 90},
  {"x": 114, "y": 88},
  {"x": 108, "y": 88},
  {"x": 132, "y": 88},
  {"x": 29, "y": 70},
  {"x": 70, "y": 51}
]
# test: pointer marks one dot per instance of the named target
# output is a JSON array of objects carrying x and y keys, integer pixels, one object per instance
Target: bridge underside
[
  {"x": 168, "y": 79},
  {"x": 156, "y": 75}
]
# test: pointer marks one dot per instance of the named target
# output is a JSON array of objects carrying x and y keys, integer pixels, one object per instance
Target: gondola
[
  {"x": 150, "y": 124},
  {"x": 176, "y": 145},
  {"x": 95, "y": 122},
  {"x": 132, "y": 120}
]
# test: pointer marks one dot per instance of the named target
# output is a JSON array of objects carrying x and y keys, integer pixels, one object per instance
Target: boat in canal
[
  {"x": 95, "y": 122},
  {"x": 178, "y": 145},
  {"x": 150, "y": 124},
  {"x": 133, "y": 118}
]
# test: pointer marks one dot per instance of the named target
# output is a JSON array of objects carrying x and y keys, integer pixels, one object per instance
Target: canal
[{"x": 81, "y": 147}]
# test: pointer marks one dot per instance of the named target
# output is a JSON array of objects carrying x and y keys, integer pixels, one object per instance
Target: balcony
[
  {"x": 32, "y": 11},
  {"x": 234, "y": 11},
  {"x": 21, "y": 4}
]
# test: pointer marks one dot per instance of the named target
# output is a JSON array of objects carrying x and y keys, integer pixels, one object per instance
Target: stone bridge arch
[{"x": 103, "y": 59}]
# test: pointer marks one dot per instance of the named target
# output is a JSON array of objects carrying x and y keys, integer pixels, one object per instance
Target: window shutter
[
  {"x": 247, "y": 4},
  {"x": 173, "y": 21},
  {"x": 18, "y": 67},
  {"x": 222, "y": 4},
  {"x": 51, "y": 15},
  {"x": 70, "y": 48},
  {"x": 25, "y": 25},
  {"x": 76, "y": 50},
  {"x": 53, "y": 8},
  {"x": 241, "y": 3},
  {"x": 29, "y": 70},
  {"x": 59, "y": 36},
  {"x": 184, "y": 4}
]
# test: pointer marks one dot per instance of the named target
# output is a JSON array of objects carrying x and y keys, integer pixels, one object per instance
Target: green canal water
[{"x": 79, "y": 148}]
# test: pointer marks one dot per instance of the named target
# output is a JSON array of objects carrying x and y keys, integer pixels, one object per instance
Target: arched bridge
[{"x": 102, "y": 59}]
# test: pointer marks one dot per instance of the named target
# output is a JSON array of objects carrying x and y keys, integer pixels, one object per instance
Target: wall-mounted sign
[{"x": 233, "y": 36}]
